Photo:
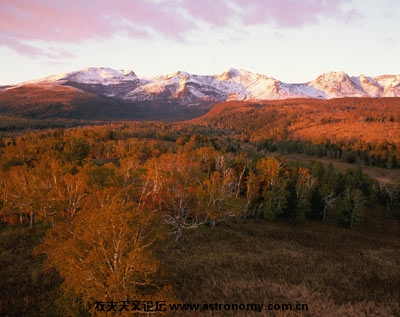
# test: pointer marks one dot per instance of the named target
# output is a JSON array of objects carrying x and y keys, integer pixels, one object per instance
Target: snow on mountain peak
[
  {"x": 331, "y": 77},
  {"x": 390, "y": 84},
  {"x": 92, "y": 75},
  {"x": 338, "y": 84},
  {"x": 231, "y": 73},
  {"x": 102, "y": 75},
  {"x": 178, "y": 74},
  {"x": 233, "y": 84}
]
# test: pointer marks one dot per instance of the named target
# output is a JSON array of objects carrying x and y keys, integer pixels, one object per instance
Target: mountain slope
[
  {"x": 51, "y": 101},
  {"x": 105, "y": 93},
  {"x": 234, "y": 84},
  {"x": 356, "y": 120},
  {"x": 43, "y": 101}
]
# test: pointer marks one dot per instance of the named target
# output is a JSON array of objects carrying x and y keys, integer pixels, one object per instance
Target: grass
[
  {"x": 335, "y": 271},
  {"x": 25, "y": 290}
]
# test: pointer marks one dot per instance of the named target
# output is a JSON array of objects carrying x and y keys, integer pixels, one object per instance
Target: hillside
[
  {"x": 55, "y": 101},
  {"x": 363, "y": 119},
  {"x": 362, "y": 130}
]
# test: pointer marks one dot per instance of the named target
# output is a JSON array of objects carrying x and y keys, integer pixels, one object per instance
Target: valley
[{"x": 104, "y": 197}]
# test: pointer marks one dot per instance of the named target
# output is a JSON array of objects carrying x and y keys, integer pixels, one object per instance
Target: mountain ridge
[
  {"x": 234, "y": 84},
  {"x": 106, "y": 93}
]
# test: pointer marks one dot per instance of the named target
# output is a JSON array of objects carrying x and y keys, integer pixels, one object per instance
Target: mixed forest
[{"x": 220, "y": 208}]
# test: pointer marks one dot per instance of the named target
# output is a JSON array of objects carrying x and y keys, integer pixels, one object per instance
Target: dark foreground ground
[{"x": 333, "y": 270}]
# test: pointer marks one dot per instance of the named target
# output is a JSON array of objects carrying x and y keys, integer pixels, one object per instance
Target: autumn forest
[{"x": 278, "y": 201}]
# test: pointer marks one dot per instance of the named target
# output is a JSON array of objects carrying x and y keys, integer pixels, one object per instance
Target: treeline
[
  {"x": 354, "y": 130},
  {"x": 112, "y": 199},
  {"x": 12, "y": 125},
  {"x": 384, "y": 154}
]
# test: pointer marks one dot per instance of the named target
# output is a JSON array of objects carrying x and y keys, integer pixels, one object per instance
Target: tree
[
  {"x": 253, "y": 199},
  {"x": 72, "y": 191},
  {"x": 106, "y": 252},
  {"x": 275, "y": 201},
  {"x": 76, "y": 150},
  {"x": 64, "y": 193},
  {"x": 391, "y": 194},
  {"x": 273, "y": 186},
  {"x": 98, "y": 177},
  {"x": 352, "y": 207},
  {"x": 6, "y": 202},
  {"x": 216, "y": 196},
  {"x": 28, "y": 192},
  {"x": 304, "y": 185},
  {"x": 269, "y": 170},
  {"x": 170, "y": 188},
  {"x": 329, "y": 198}
]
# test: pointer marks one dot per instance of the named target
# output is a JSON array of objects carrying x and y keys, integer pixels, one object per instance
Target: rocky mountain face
[
  {"x": 235, "y": 84},
  {"x": 171, "y": 94}
]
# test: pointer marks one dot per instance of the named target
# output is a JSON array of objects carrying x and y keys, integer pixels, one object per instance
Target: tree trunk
[
  {"x": 178, "y": 234},
  {"x": 31, "y": 220},
  {"x": 213, "y": 223}
]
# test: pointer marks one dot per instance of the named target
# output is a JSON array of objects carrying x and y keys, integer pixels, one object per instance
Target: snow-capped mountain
[
  {"x": 182, "y": 88},
  {"x": 91, "y": 75},
  {"x": 337, "y": 84},
  {"x": 103, "y": 81},
  {"x": 390, "y": 84}
]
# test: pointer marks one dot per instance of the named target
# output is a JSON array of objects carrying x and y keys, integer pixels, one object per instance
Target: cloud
[
  {"x": 290, "y": 13},
  {"x": 33, "y": 51},
  {"x": 20, "y": 47},
  {"x": 74, "y": 21},
  {"x": 216, "y": 13}
]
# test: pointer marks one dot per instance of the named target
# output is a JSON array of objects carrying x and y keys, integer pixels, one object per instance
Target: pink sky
[
  {"x": 46, "y": 29},
  {"x": 22, "y": 21}
]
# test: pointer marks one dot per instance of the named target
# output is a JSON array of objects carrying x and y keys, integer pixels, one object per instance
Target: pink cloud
[
  {"x": 73, "y": 21},
  {"x": 30, "y": 50},
  {"x": 290, "y": 13},
  {"x": 48, "y": 20},
  {"x": 217, "y": 13},
  {"x": 76, "y": 20},
  {"x": 20, "y": 47}
]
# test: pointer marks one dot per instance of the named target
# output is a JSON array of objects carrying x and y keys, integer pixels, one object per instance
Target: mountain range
[{"x": 123, "y": 95}]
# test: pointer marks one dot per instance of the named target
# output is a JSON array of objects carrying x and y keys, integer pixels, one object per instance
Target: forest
[
  {"x": 355, "y": 130},
  {"x": 204, "y": 210}
]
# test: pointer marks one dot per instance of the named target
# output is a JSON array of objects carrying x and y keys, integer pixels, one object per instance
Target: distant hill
[
  {"x": 351, "y": 119},
  {"x": 50, "y": 101},
  {"x": 108, "y": 94}
]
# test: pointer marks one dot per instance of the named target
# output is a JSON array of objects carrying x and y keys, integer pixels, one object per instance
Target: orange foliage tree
[
  {"x": 106, "y": 251},
  {"x": 170, "y": 188}
]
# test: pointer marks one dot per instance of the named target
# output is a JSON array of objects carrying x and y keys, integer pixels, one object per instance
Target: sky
[{"x": 290, "y": 40}]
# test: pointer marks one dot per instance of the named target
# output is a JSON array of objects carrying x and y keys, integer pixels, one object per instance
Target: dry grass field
[{"x": 335, "y": 271}]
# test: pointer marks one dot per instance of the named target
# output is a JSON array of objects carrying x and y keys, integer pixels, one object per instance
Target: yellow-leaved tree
[
  {"x": 170, "y": 189},
  {"x": 106, "y": 252}
]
